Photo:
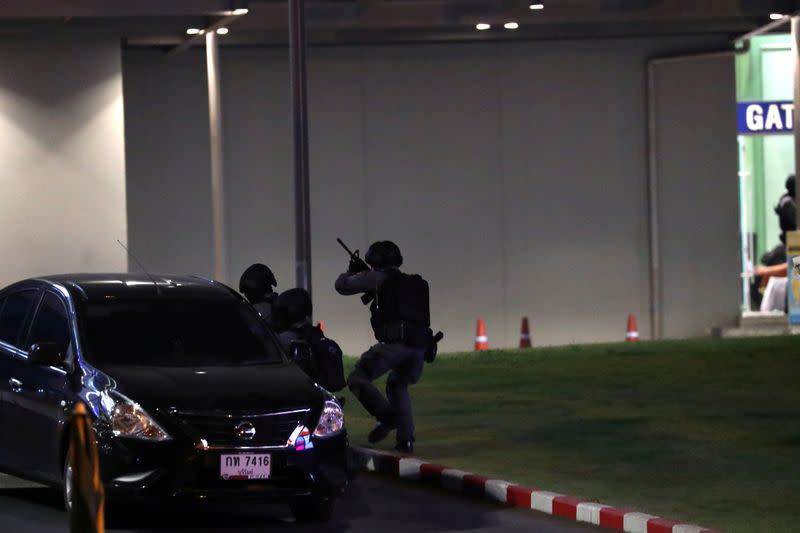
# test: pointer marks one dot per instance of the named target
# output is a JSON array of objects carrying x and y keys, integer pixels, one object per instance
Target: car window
[
  {"x": 51, "y": 323},
  {"x": 176, "y": 332},
  {"x": 14, "y": 314}
]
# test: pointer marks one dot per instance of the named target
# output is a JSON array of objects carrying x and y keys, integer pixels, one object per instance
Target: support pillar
[
  {"x": 796, "y": 61},
  {"x": 216, "y": 153},
  {"x": 297, "y": 66}
]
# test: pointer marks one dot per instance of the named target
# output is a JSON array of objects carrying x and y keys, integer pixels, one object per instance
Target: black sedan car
[{"x": 190, "y": 394}]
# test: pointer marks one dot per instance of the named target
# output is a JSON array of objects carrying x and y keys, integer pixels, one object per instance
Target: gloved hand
[
  {"x": 357, "y": 265},
  {"x": 433, "y": 346}
]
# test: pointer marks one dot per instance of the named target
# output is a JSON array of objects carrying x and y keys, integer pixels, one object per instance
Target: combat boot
[
  {"x": 381, "y": 431},
  {"x": 405, "y": 446}
]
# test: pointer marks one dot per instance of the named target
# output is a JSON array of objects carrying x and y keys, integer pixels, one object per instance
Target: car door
[
  {"x": 43, "y": 394},
  {"x": 15, "y": 312}
]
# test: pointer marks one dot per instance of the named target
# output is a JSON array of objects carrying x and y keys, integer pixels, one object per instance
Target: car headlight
[
  {"x": 128, "y": 419},
  {"x": 331, "y": 421}
]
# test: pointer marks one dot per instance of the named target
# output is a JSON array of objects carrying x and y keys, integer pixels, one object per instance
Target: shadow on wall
[{"x": 61, "y": 125}]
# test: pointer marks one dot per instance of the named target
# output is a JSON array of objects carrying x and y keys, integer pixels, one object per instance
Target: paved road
[{"x": 371, "y": 504}]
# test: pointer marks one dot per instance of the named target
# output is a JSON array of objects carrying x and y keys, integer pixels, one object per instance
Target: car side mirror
[{"x": 46, "y": 354}]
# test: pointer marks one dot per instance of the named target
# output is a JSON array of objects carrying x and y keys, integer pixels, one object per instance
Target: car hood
[{"x": 247, "y": 388}]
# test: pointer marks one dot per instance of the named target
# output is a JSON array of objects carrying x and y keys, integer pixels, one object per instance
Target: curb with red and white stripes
[{"x": 515, "y": 495}]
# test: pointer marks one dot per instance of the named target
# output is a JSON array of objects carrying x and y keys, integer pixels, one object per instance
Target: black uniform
[
  {"x": 401, "y": 322},
  {"x": 786, "y": 210},
  {"x": 265, "y": 305},
  {"x": 320, "y": 357},
  {"x": 295, "y": 332}
]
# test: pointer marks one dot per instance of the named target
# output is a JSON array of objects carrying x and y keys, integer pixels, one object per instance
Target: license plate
[{"x": 245, "y": 466}]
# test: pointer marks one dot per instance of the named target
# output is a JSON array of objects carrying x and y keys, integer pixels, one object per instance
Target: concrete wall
[
  {"x": 513, "y": 175},
  {"x": 62, "y": 177},
  {"x": 699, "y": 194}
]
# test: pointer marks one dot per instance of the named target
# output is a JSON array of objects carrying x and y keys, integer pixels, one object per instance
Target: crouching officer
[
  {"x": 292, "y": 316},
  {"x": 319, "y": 356},
  {"x": 400, "y": 309},
  {"x": 257, "y": 283}
]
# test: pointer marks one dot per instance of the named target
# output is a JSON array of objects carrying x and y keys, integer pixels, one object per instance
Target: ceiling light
[
  {"x": 511, "y": 25},
  {"x": 536, "y": 7},
  {"x": 222, "y": 31},
  {"x": 192, "y": 31},
  {"x": 482, "y": 26},
  {"x": 776, "y": 16},
  {"x": 241, "y": 11}
]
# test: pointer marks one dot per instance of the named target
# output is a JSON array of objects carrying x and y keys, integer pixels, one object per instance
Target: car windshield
[{"x": 176, "y": 332}]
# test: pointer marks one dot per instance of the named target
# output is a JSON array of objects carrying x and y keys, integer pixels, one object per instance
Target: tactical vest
[
  {"x": 266, "y": 308},
  {"x": 323, "y": 359},
  {"x": 787, "y": 214},
  {"x": 401, "y": 310}
]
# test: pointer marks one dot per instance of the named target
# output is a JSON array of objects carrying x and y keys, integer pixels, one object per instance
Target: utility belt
[{"x": 403, "y": 332}]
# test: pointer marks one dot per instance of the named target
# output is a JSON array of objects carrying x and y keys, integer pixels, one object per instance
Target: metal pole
[
  {"x": 297, "y": 66},
  {"x": 652, "y": 200},
  {"x": 796, "y": 62},
  {"x": 217, "y": 177}
]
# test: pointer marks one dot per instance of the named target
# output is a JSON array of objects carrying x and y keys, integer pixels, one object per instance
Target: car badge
[{"x": 245, "y": 431}]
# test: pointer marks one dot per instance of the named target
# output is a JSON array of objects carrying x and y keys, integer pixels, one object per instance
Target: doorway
[{"x": 764, "y": 93}]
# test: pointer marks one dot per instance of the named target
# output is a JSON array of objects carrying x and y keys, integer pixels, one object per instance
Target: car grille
[{"x": 271, "y": 429}]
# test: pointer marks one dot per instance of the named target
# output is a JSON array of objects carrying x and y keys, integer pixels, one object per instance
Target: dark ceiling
[{"x": 164, "y": 22}]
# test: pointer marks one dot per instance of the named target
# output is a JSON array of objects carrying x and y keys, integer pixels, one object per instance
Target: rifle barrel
[{"x": 343, "y": 245}]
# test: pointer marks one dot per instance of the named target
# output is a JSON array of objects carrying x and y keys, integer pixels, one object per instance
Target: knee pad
[
  {"x": 355, "y": 381},
  {"x": 395, "y": 380}
]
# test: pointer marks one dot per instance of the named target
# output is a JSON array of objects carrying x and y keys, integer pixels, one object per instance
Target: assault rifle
[{"x": 361, "y": 266}]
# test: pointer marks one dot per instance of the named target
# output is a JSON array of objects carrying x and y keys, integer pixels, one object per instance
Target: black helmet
[
  {"x": 294, "y": 305},
  {"x": 383, "y": 254},
  {"x": 257, "y": 281}
]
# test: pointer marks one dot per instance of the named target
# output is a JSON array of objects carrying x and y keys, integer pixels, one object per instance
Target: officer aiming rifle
[{"x": 400, "y": 318}]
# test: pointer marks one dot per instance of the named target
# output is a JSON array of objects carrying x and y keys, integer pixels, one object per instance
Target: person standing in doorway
[{"x": 787, "y": 220}]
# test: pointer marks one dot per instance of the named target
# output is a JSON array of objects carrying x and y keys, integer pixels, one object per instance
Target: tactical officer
[
  {"x": 257, "y": 284},
  {"x": 292, "y": 316},
  {"x": 399, "y": 305},
  {"x": 322, "y": 357}
]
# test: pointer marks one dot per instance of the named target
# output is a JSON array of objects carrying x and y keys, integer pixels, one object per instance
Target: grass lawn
[{"x": 705, "y": 431}]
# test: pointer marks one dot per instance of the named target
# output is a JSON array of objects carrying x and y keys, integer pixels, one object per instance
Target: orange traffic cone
[
  {"x": 525, "y": 334},
  {"x": 633, "y": 331},
  {"x": 88, "y": 495},
  {"x": 321, "y": 326},
  {"x": 481, "y": 340}
]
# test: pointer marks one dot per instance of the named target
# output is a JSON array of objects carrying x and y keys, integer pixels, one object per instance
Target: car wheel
[{"x": 317, "y": 511}]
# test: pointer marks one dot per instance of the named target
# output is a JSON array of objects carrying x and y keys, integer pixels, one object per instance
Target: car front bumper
[{"x": 136, "y": 471}]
